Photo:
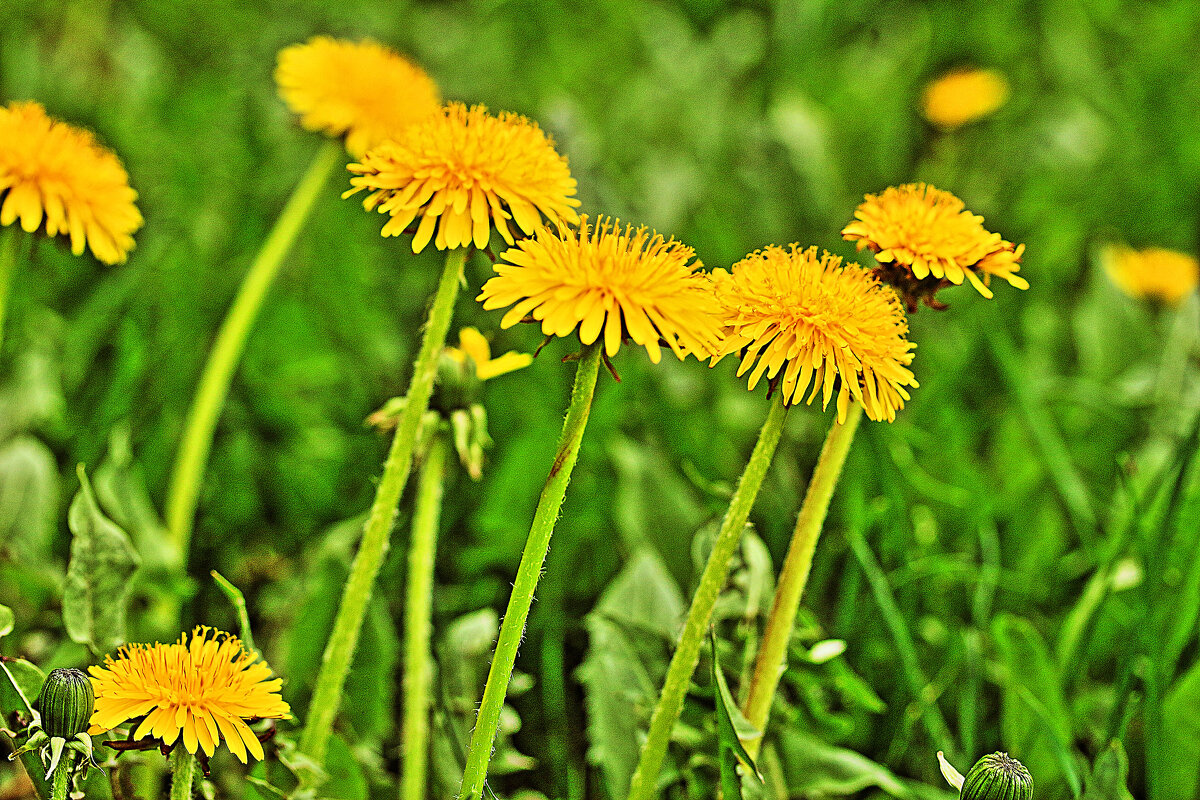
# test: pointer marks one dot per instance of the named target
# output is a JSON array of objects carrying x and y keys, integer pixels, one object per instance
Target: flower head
[
  {"x": 56, "y": 173},
  {"x": 361, "y": 90},
  {"x": 925, "y": 240},
  {"x": 204, "y": 690},
  {"x": 963, "y": 96},
  {"x": 474, "y": 345},
  {"x": 825, "y": 321},
  {"x": 1154, "y": 273},
  {"x": 624, "y": 282},
  {"x": 462, "y": 171}
]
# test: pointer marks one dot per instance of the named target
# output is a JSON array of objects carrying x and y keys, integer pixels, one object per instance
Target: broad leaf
[
  {"x": 28, "y": 498},
  {"x": 102, "y": 562}
]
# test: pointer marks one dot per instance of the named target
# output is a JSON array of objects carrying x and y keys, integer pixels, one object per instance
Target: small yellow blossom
[
  {"x": 828, "y": 323},
  {"x": 463, "y": 171},
  {"x": 202, "y": 691},
  {"x": 360, "y": 90},
  {"x": 602, "y": 278},
  {"x": 472, "y": 344},
  {"x": 963, "y": 96},
  {"x": 54, "y": 173},
  {"x": 1155, "y": 273}
]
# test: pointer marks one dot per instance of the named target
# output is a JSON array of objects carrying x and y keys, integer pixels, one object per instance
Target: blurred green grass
[{"x": 729, "y": 126}]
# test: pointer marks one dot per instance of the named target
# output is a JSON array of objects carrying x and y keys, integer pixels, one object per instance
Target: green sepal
[{"x": 57, "y": 744}]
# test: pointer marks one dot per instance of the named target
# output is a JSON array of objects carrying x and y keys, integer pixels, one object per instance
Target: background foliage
[{"x": 1011, "y": 565}]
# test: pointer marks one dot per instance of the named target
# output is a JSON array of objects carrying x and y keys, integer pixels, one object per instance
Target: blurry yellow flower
[
  {"x": 924, "y": 239},
  {"x": 826, "y": 321},
  {"x": 623, "y": 282},
  {"x": 1155, "y": 273},
  {"x": 203, "y": 690},
  {"x": 472, "y": 344},
  {"x": 464, "y": 170},
  {"x": 362, "y": 90},
  {"x": 53, "y": 172},
  {"x": 963, "y": 96}
]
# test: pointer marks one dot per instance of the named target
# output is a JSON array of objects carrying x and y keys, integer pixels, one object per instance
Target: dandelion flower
[
  {"x": 462, "y": 171},
  {"x": 963, "y": 96},
  {"x": 472, "y": 344},
  {"x": 361, "y": 90},
  {"x": 204, "y": 690},
  {"x": 825, "y": 321},
  {"x": 1155, "y": 273},
  {"x": 55, "y": 173},
  {"x": 924, "y": 240},
  {"x": 624, "y": 282}
]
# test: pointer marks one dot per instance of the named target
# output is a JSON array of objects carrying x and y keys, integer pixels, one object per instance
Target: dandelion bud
[
  {"x": 65, "y": 703},
  {"x": 998, "y": 777},
  {"x": 458, "y": 385}
]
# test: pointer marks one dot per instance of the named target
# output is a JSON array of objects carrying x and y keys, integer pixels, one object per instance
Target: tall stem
[
  {"x": 10, "y": 240},
  {"x": 346, "y": 626},
  {"x": 183, "y": 773},
  {"x": 190, "y": 461},
  {"x": 530, "y": 569},
  {"x": 61, "y": 779},
  {"x": 687, "y": 653},
  {"x": 418, "y": 622},
  {"x": 772, "y": 652}
]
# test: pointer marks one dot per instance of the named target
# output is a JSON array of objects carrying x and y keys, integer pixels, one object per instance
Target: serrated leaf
[
  {"x": 730, "y": 749},
  {"x": 97, "y": 585}
]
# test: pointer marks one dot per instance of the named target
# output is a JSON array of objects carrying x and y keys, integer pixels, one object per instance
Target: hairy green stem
[
  {"x": 479, "y": 753},
  {"x": 188, "y": 471},
  {"x": 339, "y": 650},
  {"x": 183, "y": 773},
  {"x": 772, "y": 652},
  {"x": 10, "y": 243},
  {"x": 687, "y": 653},
  {"x": 418, "y": 622},
  {"x": 62, "y": 779}
]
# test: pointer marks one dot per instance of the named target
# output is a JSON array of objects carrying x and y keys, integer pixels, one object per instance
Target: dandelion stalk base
[{"x": 183, "y": 773}]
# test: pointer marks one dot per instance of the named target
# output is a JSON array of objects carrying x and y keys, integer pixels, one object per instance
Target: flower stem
[
  {"x": 687, "y": 653},
  {"x": 188, "y": 471},
  {"x": 772, "y": 652},
  {"x": 418, "y": 622},
  {"x": 346, "y": 626},
  {"x": 536, "y": 546},
  {"x": 10, "y": 242},
  {"x": 61, "y": 780},
  {"x": 183, "y": 773}
]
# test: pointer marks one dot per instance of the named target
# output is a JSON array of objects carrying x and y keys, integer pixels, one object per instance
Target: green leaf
[
  {"x": 19, "y": 686},
  {"x": 1181, "y": 735},
  {"x": 730, "y": 749},
  {"x": 346, "y": 778},
  {"x": 102, "y": 562},
  {"x": 1110, "y": 776},
  {"x": 814, "y": 768},
  {"x": 28, "y": 498},
  {"x": 7, "y": 620}
]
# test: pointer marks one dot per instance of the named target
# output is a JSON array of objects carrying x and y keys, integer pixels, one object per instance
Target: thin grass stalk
[
  {"x": 418, "y": 622},
  {"x": 793, "y": 577},
  {"x": 716, "y": 570},
  {"x": 187, "y": 475},
  {"x": 339, "y": 650},
  {"x": 479, "y": 753}
]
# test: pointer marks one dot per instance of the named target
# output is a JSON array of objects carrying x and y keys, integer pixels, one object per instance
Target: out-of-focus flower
[
  {"x": 1154, "y": 273},
  {"x": 963, "y": 96}
]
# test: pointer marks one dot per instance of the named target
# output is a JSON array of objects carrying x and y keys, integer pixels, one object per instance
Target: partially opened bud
[
  {"x": 65, "y": 703},
  {"x": 998, "y": 777}
]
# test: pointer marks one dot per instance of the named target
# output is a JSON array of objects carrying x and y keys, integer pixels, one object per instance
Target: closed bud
[
  {"x": 65, "y": 703},
  {"x": 457, "y": 384},
  {"x": 998, "y": 777}
]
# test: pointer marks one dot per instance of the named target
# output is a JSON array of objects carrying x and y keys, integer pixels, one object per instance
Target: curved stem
[
  {"x": 183, "y": 773},
  {"x": 10, "y": 241},
  {"x": 772, "y": 652},
  {"x": 62, "y": 779},
  {"x": 418, "y": 622},
  {"x": 188, "y": 471},
  {"x": 536, "y": 546},
  {"x": 687, "y": 653},
  {"x": 346, "y": 626}
]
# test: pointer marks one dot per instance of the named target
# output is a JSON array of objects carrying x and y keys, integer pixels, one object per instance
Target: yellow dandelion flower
[
  {"x": 472, "y": 344},
  {"x": 1155, "y": 273},
  {"x": 624, "y": 282},
  {"x": 963, "y": 96},
  {"x": 464, "y": 170},
  {"x": 924, "y": 239},
  {"x": 361, "y": 90},
  {"x": 55, "y": 173},
  {"x": 825, "y": 321},
  {"x": 204, "y": 690}
]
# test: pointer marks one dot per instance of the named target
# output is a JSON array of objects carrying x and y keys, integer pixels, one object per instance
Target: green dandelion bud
[
  {"x": 998, "y": 777},
  {"x": 66, "y": 703},
  {"x": 457, "y": 385}
]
